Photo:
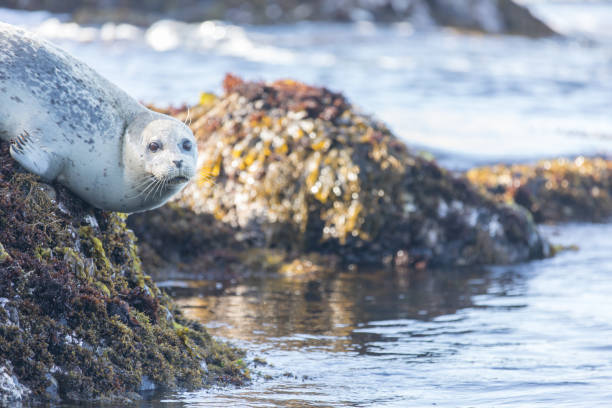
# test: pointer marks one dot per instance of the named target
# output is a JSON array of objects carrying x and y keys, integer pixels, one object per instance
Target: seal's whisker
[
  {"x": 149, "y": 192},
  {"x": 206, "y": 176},
  {"x": 136, "y": 189},
  {"x": 147, "y": 189},
  {"x": 210, "y": 180},
  {"x": 158, "y": 187},
  {"x": 188, "y": 118},
  {"x": 152, "y": 190},
  {"x": 163, "y": 187},
  {"x": 147, "y": 184},
  {"x": 142, "y": 183}
]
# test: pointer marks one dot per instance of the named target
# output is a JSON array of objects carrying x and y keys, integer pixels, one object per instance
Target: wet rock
[
  {"x": 12, "y": 392},
  {"x": 52, "y": 391},
  {"x": 146, "y": 384},
  {"x": 308, "y": 267},
  {"x": 79, "y": 319},
  {"x": 176, "y": 243},
  {"x": 296, "y": 168},
  {"x": 489, "y": 16},
  {"x": 552, "y": 190},
  {"x": 4, "y": 256}
]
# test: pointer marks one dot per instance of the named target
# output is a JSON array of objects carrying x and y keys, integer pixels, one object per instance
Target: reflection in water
[
  {"x": 326, "y": 313},
  {"x": 529, "y": 335},
  {"x": 374, "y": 324}
]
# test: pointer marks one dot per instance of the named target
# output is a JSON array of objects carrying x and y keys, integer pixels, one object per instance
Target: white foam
[
  {"x": 27, "y": 18},
  {"x": 58, "y": 27},
  {"x": 214, "y": 36},
  {"x": 165, "y": 35},
  {"x": 53, "y": 28}
]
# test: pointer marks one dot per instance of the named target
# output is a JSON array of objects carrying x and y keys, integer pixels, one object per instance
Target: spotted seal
[{"x": 66, "y": 123}]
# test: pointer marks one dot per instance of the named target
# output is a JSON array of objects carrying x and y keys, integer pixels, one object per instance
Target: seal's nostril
[{"x": 178, "y": 163}]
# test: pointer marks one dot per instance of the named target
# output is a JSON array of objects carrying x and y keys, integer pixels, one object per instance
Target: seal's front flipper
[{"x": 35, "y": 158}]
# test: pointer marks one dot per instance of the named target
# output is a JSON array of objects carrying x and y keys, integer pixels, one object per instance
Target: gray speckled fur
[
  {"x": 73, "y": 91},
  {"x": 72, "y": 125}
]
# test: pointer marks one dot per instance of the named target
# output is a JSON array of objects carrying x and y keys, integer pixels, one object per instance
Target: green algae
[{"x": 79, "y": 318}]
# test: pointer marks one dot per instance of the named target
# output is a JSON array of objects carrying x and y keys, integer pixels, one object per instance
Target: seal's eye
[
  {"x": 154, "y": 146},
  {"x": 187, "y": 145}
]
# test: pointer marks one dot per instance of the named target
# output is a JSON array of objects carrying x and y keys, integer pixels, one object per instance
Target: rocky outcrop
[
  {"x": 489, "y": 16},
  {"x": 297, "y": 168},
  {"x": 79, "y": 318},
  {"x": 553, "y": 190}
]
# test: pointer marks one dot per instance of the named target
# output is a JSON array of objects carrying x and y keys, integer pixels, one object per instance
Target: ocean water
[
  {"x": 468, "y": 99},
  {"x": 536, "y": 334}
]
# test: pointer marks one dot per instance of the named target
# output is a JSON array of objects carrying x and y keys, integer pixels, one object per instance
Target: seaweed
[
  {"x": 558, "y": 190},
  {"x": 297, "y": 168},
  {"x": 79, "y": 318}
]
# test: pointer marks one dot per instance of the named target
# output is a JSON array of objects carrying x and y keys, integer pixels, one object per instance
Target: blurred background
[{"x": 473, "y": 81}]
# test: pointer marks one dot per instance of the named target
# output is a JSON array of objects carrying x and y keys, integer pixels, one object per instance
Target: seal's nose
[{"x": 178, "y": 163}]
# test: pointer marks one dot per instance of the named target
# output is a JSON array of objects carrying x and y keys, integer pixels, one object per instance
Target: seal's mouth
[{"x": 178, "y": 180}]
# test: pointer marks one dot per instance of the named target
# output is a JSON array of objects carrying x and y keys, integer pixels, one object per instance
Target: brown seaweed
[
  {"x": 79, "y": 318},
  {"x": 297, "y": 168}
]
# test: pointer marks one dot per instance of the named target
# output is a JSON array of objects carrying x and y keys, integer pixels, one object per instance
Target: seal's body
[{"x": 67, "y": 123}]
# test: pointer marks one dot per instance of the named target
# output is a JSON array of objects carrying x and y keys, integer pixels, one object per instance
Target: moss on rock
[
  {"x": 553, "y": 190},
  {"x": 79, "y": 319},
  {"x": 298, "y": 168}
]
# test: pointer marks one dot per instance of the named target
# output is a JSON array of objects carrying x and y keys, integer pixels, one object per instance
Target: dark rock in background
[
  {"x": 552, "y": 190},
  {"x": 489, "y": 16}
]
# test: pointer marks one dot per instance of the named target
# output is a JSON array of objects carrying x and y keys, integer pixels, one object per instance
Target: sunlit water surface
[
  {"x": 538, "y": 334},
  {"x": 470, "y": 99}
]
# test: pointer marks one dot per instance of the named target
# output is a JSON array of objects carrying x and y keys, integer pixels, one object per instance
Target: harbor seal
[{"x": 66, "y": 123}]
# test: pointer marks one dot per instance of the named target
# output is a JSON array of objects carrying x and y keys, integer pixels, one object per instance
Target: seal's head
[{"x": 160, "y": 156}]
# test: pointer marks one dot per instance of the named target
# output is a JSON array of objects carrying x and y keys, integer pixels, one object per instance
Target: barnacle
[
  {"x": 553, "y": 190},
  {"x": 298, "y": 168}
]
